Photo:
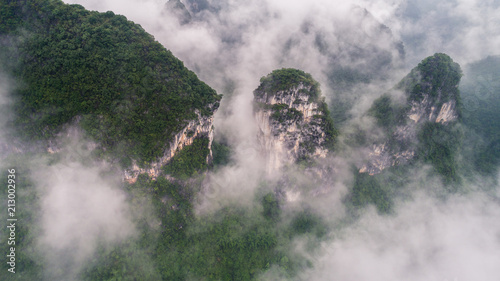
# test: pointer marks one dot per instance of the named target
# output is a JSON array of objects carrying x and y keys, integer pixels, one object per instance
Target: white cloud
[{"x": 428, "y": 239}]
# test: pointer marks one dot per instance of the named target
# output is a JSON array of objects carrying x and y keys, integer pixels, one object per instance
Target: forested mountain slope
[{"x": 130, "y": 94}]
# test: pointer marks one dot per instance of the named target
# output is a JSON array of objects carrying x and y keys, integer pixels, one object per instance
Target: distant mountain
[
  {"x": 107, "y": 75},
  {"x": 359, "y": 53}
]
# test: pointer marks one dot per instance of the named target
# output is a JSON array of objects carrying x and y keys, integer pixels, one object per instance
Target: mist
[
  {"x": 79, "y": 210},
  {"x": 427, "y": 239}
]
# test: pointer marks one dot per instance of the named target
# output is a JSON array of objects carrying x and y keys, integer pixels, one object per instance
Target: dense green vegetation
[
  {"x": 29, "y": 261},
  {"x": 221, "y": 153},
  {"x": 439, "y": 145},
  {"x": 190, "y": 160},
  {"x": 326, "y": 123},
  {"x": 271, "y": 207},
  {"x": 131, "y": 95},
  {"x": 369, "y": 189},
  {"x": 436, "y": 144},
  {"x": 128, "y": 92},
  {"x": 235, "y": 243},
  {"x": 438, "y": 76},
  {"x": 288, "y": 78},
  {"x": 284, "y": 114}
]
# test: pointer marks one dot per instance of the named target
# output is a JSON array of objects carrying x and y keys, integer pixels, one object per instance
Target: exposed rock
[
  {"x": 202, "y": 126},
  {"x": 425, "y": 110},
  {"x": 293, "y": 121}
]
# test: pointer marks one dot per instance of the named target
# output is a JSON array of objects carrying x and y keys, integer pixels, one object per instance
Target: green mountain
[
  {"x": 425, "y": 126},
  {"x": 293, "y": 119},
  {"x": 106, "y": 74},
  {"x": 480, "y": 90}
]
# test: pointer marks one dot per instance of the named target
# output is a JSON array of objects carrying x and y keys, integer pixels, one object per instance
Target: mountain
[
  {"x": 480, "y": 90},
  {"x": 293, "y": 119},
  {"x": 106, "y": 75},
  {"x": 425, "y": 125}
]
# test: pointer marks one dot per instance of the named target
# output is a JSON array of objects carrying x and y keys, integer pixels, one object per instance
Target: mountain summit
[{"x": 424, "y": 126}]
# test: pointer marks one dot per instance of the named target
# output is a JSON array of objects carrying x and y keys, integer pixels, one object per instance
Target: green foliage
[
  {"x": 438, "y": 77},
  {"x": 171, "y": 243},
  {"x": 10, "y": 15},
  {"x": 271, "y": 206},
  {"x": 124, "y": 262},
  {"x": 128, "y": 92},
  {"x": 233, "y": 247},
  {"x": 369, "y": 190},
  {"x": 136, "y": 258},
  {"x": 234, "y": 243},
  {"x": 30, "y": 262},
  {"x": 221, "y": 154},
  {"x": 387, "y": 114},
  {"x": 284, "y": 114},
  {"x": 326, "y": 123},
  {"x": 190, "y": 160},
  {"x": 285, "y": 79},
  {"x": 439, "y": 145},
  {"x": 307, "y": 222}
]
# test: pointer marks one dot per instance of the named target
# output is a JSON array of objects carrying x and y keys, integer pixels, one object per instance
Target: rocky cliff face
[
  {"x": 139, "y": 103},
  {"x": 202, "y": 126},
  {"x": 293, "y": 120},
  {"x": 432, "y": 97}
]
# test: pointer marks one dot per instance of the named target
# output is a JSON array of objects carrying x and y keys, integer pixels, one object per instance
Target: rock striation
[
  {"x": 293, "y": 120},
  {"x": 432, "y": 97}
]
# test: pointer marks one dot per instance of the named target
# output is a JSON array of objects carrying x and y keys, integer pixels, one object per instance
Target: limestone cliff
[
  {"x": 432, "y": 97},
  {"x": 293, "y": 119},
  {"x": 200, "y": 127}
]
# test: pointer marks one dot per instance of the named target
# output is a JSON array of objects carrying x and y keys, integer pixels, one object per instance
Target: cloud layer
[
  {"x": 80, "y": 209},
  {"x": 427, "y": 239}
]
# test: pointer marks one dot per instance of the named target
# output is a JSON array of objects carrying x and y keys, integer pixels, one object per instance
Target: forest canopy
[{"x": 99, "y": 69}]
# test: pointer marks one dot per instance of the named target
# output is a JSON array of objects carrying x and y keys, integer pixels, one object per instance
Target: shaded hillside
[{"x": 425, "y": 126}]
